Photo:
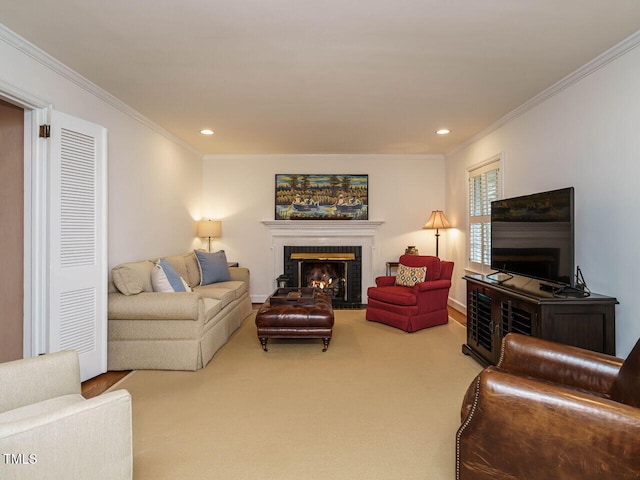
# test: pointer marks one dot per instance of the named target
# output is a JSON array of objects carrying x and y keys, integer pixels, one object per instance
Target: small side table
[{"x": 391, "y": 265}]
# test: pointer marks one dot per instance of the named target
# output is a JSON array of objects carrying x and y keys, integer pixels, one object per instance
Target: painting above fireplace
[{"x": 321, "y": 197}]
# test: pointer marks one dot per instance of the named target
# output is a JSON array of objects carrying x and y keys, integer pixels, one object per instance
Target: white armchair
[{"x": 48, "y": 430}]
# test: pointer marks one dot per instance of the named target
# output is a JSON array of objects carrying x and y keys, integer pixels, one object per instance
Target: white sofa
[
  {"x": 49, "y": 431},
  {"x": 172, "y": 331}
]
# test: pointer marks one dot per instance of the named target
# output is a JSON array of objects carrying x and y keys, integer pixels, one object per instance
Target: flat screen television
[{"x": 533, "y": 236}]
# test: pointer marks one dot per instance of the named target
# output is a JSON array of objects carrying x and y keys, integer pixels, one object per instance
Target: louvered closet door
[{"x": 77, "y": 242}]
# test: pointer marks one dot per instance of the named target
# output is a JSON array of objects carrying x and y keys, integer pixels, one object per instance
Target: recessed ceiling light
[
  {"x": 206, "y": 131},
  {"x": 443, "y": 131}
]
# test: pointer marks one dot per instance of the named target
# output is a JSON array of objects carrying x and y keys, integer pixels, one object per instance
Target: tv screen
[{"x": 532, "y": 236}]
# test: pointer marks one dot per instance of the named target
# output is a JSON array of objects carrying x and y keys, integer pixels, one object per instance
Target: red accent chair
[{"x": 412, "y": 308}]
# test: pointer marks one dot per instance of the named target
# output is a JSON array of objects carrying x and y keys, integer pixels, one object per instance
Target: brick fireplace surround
[{"x": 335, "y": 233}]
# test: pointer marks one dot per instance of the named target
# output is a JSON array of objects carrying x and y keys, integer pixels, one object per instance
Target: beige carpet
[{"x": 379, "y": 404}]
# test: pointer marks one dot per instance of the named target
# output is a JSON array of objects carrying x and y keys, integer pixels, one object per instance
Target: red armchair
[{"x": 412, "y": 308}]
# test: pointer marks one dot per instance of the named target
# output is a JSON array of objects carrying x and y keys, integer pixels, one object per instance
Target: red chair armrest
[
  {"x": 433, "y": 285},
  {"x": 386, "y": 281}
]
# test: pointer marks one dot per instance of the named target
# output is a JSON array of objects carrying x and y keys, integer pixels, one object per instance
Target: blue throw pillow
[
  {"x": 164, "y": 278},
  {"x": 213, "y": 267}
]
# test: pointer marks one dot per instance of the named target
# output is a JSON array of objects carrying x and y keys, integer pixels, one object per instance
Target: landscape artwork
[{"x": 322, "y": 197}]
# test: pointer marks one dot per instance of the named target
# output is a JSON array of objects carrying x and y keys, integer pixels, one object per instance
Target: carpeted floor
[{"x": 379, "y": 404}]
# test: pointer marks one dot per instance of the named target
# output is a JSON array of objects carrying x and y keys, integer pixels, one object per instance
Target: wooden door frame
[{"x": 36, "y": 113}]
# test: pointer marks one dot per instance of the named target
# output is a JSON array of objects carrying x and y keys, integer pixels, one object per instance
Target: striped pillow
[{"x": 164, "y": 278}]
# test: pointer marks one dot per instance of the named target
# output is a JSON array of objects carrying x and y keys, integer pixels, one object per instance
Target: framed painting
[{"x": 322, "y": 197}]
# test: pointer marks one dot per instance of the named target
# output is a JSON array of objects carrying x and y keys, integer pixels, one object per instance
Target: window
[{"x": 484, "y": 188}]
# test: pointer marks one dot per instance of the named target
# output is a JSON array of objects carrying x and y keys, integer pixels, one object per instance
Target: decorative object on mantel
[
  {"x": 411, "y": 250},
  {"x": 321, "y": 197},
  {"x": 437, "y": 220},
  {"x": 209, "y": 229}
]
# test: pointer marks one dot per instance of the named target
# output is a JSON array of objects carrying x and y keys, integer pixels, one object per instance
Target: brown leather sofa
[{"x": 551, "y": 411}]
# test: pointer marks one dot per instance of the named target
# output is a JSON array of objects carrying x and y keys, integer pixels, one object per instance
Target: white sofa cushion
[
  {"x": 238, "y": 287},
  {"x": 225, "y": 295},
  {"x": 40, "y": 408},
  {"x": 211, "y": 308}
]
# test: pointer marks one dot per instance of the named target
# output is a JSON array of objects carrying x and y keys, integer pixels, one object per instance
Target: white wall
[
  {"x": 239, "y": 190},
  {"x": 155, "y": 187},
  {"x": 585, "y": 136}
]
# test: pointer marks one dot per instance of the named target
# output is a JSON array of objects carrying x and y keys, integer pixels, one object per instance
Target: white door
[{"x": 77, "y": 241}]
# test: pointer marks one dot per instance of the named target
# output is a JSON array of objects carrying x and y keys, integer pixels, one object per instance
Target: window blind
[{"x": 484, "y": 188}]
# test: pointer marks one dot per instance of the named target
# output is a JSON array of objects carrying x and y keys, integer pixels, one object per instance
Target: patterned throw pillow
[{"x": 409, "y": 276}]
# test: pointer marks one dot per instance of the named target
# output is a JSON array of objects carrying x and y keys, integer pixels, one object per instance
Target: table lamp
[{"x": 209, "y": 229}]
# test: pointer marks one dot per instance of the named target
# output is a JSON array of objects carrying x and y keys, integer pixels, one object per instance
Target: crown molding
[
  {"x": 593, "y": 66},
  {"x": 27, "y": 48},
  {"x": 323, "y": 156}
]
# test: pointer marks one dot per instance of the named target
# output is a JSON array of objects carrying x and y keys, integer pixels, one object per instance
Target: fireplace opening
[
  {"x": 328, "y": 276},
  {"x": 334, "y": 270}
]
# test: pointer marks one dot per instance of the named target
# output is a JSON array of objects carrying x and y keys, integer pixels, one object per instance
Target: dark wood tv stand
[{"x": 495, "y": 309}]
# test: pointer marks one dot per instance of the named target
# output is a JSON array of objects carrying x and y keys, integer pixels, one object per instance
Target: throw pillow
[
  {"x": 164, "y": 278},
  {"x": 409, "y": 276},
  {"x": 213, "y": 267},
  {"x": 133, "y": 278}
]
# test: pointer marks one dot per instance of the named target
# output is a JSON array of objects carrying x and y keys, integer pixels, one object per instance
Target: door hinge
[{"x": 45, "y": 131}]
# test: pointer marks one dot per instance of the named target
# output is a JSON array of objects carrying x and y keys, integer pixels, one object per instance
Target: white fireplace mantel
[
  {"x": 323, "y": 232},
  {"x": 323, "y": 227}
]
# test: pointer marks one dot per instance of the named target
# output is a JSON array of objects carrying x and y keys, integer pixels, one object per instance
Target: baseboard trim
[{"x": 456, "y": 305}]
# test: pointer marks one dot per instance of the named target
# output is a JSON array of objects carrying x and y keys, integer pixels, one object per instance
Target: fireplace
[
  {"x": 334, "y": 270},
  {"x": 325, "y": 234}
]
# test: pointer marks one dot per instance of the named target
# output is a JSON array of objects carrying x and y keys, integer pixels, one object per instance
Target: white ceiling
[{"x": 330, "y": 76}]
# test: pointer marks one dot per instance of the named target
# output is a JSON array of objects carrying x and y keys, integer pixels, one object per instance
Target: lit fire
[
  {"x": 321, "y": 284},
  {"x": 325, "y": 278}
]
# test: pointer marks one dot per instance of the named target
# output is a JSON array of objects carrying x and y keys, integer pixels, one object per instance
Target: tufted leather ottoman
[{"x": 296, "y": 320}]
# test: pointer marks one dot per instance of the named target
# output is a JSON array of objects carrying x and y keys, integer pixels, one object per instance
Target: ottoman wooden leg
[
  {"x": 263, "y": 342},
  {"x": 326, "y": 341}
]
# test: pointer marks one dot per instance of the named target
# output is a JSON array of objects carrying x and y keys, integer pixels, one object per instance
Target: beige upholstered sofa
[
  {"x": 172, "y": 331},
  {"x": 49, "y": 431}
]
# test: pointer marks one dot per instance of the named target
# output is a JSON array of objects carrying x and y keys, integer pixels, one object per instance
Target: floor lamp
[
  {"x": 437, "y": 220},
  {"x": 210, "y": 229}
]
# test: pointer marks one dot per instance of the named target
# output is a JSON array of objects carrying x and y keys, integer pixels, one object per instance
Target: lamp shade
[
  {"x": 437, "y": 220},
  {"x": 209, "y": 228}
]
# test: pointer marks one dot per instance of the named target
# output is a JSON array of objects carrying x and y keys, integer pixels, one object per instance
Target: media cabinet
[{"x": 495, "y": 309}]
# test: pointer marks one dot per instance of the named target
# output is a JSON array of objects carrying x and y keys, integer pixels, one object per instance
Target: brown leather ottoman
[{"x": 292, "y": 320}]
